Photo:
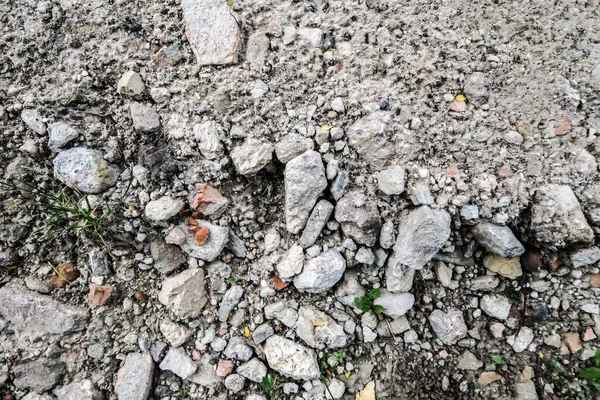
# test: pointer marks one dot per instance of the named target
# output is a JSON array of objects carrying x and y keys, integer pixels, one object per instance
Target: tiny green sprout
[
  {"x": 339, "y": 357},
  {"x": 476, "y": 385},
  {"x": 230, "y": 3},
  {"x": 556, "y": 367},
  {"x": 497, "y": 359},
  {"x": 233, "y": 280},
  {"x": 47, "y": 108},
  {"x": 268, "y": 384},
  {"x": 366, "y": 303}
]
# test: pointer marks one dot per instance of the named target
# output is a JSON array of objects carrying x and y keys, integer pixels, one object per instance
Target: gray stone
[
  {"x": 290, "y": 388},
  {"x": 176, "y": 334},
  {"x": 209, "y": 142},
  {"x": 230, "y": 300},
  {"x": 315, "y": 224},
  {"x": 291, "y": 359},
  {"x": 96, "y": 351},
  {"x": 291, "y": 263},
  {"x": 81, "y": 390},
  {"x": 395, "y": 305},
  {"x": 369, "y": 137},
  {"x": 35, "y": 315},
  {"x": 178, "y": 362},
  {"x": 314, "y": 36},
  {"x": 262, "y": 332},
  {"x": 359, "y": 217},
  {"x": 557, "y": 219},
  {"x": 391, "y": 180},
  {"x": 365, "y": 256},
  {"x": 291, "y": 146},
  {"x": 99, "y": 262},
  {"x": 272, "y": 240},
  {"x": 282, "y": 311},
  {"x": 130, "y": 84},
  {"x": 253, "y": 370},
  {"x": 337, "y": 389},
  {"x": 349, "y": 289},
  {"x": 498, "y": 239},
  {"x": 8, "y": 257},
  {"x": 238, "y": 350},
  {"x": 36, "y": 284},
  {"x": 163, "y": 209},
  {"x": 134, "y": 379},
  {"x": 421, "y": 234},
  {"x": 399, "y": 278},
  {"x": 321, "y": 273},
  {"x": 144, "y": 117},
  {"x": 234, "y": 382},
  {"x": 33, "y": 120},
  {"x": 184, "y": 293},
  {"x": 84, "y": 170},
  {"x": 167, "y": 257},
  {"x": 526, "y": 391},
  {"x": 60, "y": 134},
  {"x": 212, "y": 248},
  {"x": 386, "y": 236},
  {"x": 469, "y": 214},
  {"x": 337, "y": 188},
  {"x": 444, "y": 273},
  {"x": 289, "y": 35},
  {"x": 449, "y": 327},
  {"x": 257, "y": 49},
  {"x": 475, "y": 89},
  {"x": 468, "y": 361},
  {"x": 304, "y": 182},
  {"x": 38, "y": 375},
  {"x": 251, "y": 156},
  {"x": 523, "y": 339},
  {"x": 338, "y": 105},
  {"x": 484, "y": 283},
  {"x": 206, "y": 375},
  {"x": 583, "y": 257},
  {"x": 319, "y": 330},
  {"x": 236, "y": 245},
  {"x": 212, "y": 31},
  {"x": 495, "y": 306}
]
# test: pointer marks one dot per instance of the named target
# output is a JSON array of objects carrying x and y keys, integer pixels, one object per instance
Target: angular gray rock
[
  {"x": 38, "y": 375},
  {"x": 475, "y": 89},
  {"x": 236, "y": 245},
  {"x": 318, "y": 330},
  {"x": 230, "y": 300},
  {"x": 391, "y": 180},
  {"x": 291, "y": 359},
  {"x": 497, "y": 239},
  {"x": 167, "y": 257},
  {"x": 209, "y": 143},
  {"x": 178, "y": 362},
  {"x": 253, "y": 370},
  {"x": 449, "y": 327},
  {"x": 421, "y": 234},
  {"x": 291, "y": 146},
  {"x": 523, "y": 339},
  {"x": 291, "y": 263},
  {"x": 251, "y": 156},
  {"x": 163, "y": 209},
  {"x": 212, "y": 31},
  {"x": 304, "y": 182},
  {"x": 176, "y": 334},
  {"x": 237, "y": 349},
  {"x": 369, "y": 136},
  {"x": 468, "y": 361},
  {"x": 81, "y": 390},
  {"x": 315, "y": 224},
  {"x": 338, "y": 185},
  {"x": 557, "y": 219},
  {"x": 359, "y": 217},
  {"x": 33, "y": 120},
  {"x": 399, "y": 278},
  {"x": 234, "y": 382},
  {"x": 583, "y": 257},
  {"x": 60, "y": 134},
  {"x": 526, "y": 391},
  {"x": 98, "y": 262},
  {"x": 130, "y": 84},
  {"x": 212, "y": 248},
  {"x": 84, "y": 170},
  {"x": 386, "y": 236},
  {"x": 262, "y": 332},
  {"x": 144, "y": 117},
  {"x": 395, "y": 305},
  {"x": 134, "y": 379},
  {"x": 184, "y": 293},
  {"x": 283, "y": 311},
  {"x": 349, "y": 289},
  {"x": 35, "y": 315},
  {"x": 495, "y": 306},
  {"x": 257, "y": 49},
  {"x": 321, "y": 273}
]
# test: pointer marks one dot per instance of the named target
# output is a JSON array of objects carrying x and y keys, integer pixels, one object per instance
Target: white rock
[
  {"x": 131, "y": 84},
  {"x": 291, "y": 359},
  {"x": 184, "y": 293},
  {"x": 134, "y": 379},
  {"x": 523, "y": 339},
  {"x": 251, "y": 156},
  {"x": 292, "y": 263},
  {"x": 175, "y": 333},
  {"x": 391, "y": 180},
  {"x": 395, "y": 305},
  {"x": 449, "y": 327},
  {"x": 85, "y": 170},
  {"x": 163, "y": 208},
  {"x": 178, "y": 362},
  {"x": 495, "y": 306},
  {"x": 318, "y": 330},
  {"x": 60, "y": 134},
  {"x": 321, "y": 273},
  {"x": 209, "y": 142}
]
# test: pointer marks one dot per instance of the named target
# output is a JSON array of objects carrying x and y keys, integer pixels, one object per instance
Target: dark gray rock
[
  {"x": 359, "y": 217},
  {"x": 99, "y": 262},
  {"x": 167, "y": 257},
  {"x": 475, "y": 89},
  {"x": 230, "y": 300},
  {"x": 39, "y": 375},
  {"x": 315, "y": 224},
  {"x": 497, "y": 239}
]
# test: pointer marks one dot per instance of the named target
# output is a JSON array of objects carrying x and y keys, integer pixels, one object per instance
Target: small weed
[
  {"x": 183, "y": 393},
  {"x": 233, "y": 280},
  {"x": 511, "y": 293},
  {"x": 339, "y": 357},
  {"x": 496, "y": 359},
  {"x": 47, "y": 108},
  {"x": 72, "y": 98},
  {"x": 592, "y": 374},
  {"x": 269, "y": 387},
  {"x": 366, "y": 303},
  {"x": 326, "y": 375},
  {"x": 66, "y": 211},
  {"x": 476, "y": 385},
  {"x": 230, "y": 3},
  {"x": 556, "y": 367}
]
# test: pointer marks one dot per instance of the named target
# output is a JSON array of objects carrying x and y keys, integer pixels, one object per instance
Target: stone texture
[
  {"x": 475, "y": 89},
  {"x": 38, "y": 375},
  {"x": 359, "y": 217},
  {"x": 369, "y": 136},
  {"x": 131, "y": 84},
  {"x": 523, "y": 339},
  {"x": 468, "y": 361},
  {"x": 399, "y": 278},
  {"x": 257, "y": 49},
  {"x": 85, "y": 170},
  {"x": 81, "y": 390},
  {"x": 583, "y": 257},
  {"x": 449, "y": 327},
  {"x": 421, "y": 234},
  {"x": 262, "y": 332},
  {"x": 184, "y": 293},
  {"x": 211, "y": 249},
  {"x": 34, "y": 121},
  {"x": 207, "y": 136},
  {"x": 134, "y": 379},
  {"x": 395, "y": 305},
  {"x": 176, "y": 334},
  {"x": 497, "y": 239},
  {"x": 507, "y": 267},
  {"x": 212, "y": 31},
  {"x": 253, "y": 370},
  {"x": 209, "y": 201},
  {"x": 251, "y": 156},
  {"x": 304, "y": 182},
  {"x": 144, "y": 117},
  {"x": 167, "y": 257},
  {"x": 60, "y": 134},
  {"x": 321, "y": 273},
  {"x": 35, "y": 315},
  {"x": 237, "y": 349},
  {"x": 291, "y": 263},
  {"x": 230, "y": 300},
  {"x": 315, "y": 224},
  {"x": 495, "y": 306},
  {"x": 291, "y": 146},
  {"x": 557, "y": 219},
  {"x": 178, "y": 362},
  {"x": 291, "y": 359},
  {"x": 163, "y": 209},
  {"x": 318, "y": 330},
  {"x": 391, "y": 180}
]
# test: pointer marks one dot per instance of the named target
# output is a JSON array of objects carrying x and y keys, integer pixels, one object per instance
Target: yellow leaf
[
  {"x": 247, "y": 331},
  {"x": 326, "y": 127},
  {"x": 541, "y": 354},
  {"x": 131, "y": 208},
  {"x": 347, "y": 373},
  {"x": 461, "y": 97}
]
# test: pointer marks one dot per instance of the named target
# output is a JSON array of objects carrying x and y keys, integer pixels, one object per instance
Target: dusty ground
[{"x": 538, "y": 123}]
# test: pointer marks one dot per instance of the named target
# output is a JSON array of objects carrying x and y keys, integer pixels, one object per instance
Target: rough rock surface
[
  {"x": 134, "y": 379},
  {"x": 251, "y": 156},
  {"x": 359, "y": 218},
  {"x": 449, "y": 327},
  {"x": 321, "y": 273},
  {"x": 318, "y": 330},
  {"x": 184, "y": 294},
  {"x": 163, "y": 208},
  {"x": 218, "y": 238},
  {"x": 291, "y": 359},
  {"x": 498, "y": 239},
  {"x": 84, "y": 169}
]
